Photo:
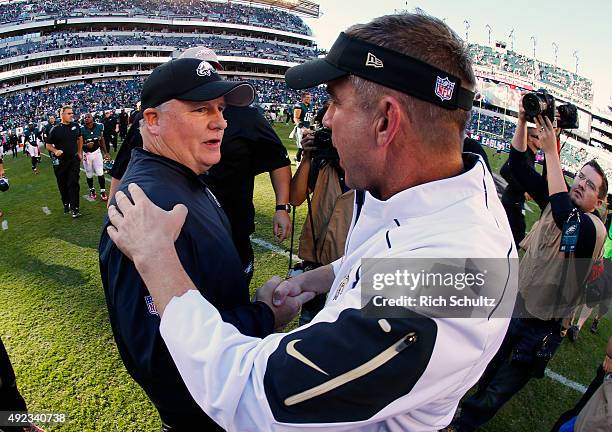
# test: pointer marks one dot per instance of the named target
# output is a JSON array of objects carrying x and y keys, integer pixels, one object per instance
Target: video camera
[{"x": 542, "y": 103}]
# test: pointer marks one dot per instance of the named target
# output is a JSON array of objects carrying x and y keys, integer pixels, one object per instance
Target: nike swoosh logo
[
  {"x": 301, "y": 357},
  {"x": 353, "y": 374}
]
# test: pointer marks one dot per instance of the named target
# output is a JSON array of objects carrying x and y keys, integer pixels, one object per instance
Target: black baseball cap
[
  {"x": 351, "y": 56},
  {"x": 192, "y": 79}
]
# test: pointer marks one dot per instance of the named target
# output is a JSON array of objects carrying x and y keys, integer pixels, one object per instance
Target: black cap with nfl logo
[
  {"x": 192, "y": 79},
  {"x": 386, "y": 67}
]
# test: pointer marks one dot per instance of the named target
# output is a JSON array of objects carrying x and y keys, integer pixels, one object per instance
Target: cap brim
[
  {"x": 236, "y": 93},
  {"x": 312, "y": 73}
]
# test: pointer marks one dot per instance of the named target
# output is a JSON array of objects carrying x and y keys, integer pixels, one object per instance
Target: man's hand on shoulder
[
  {"x": 140, "y": 229},
  {"x": 146, "y": 234}
]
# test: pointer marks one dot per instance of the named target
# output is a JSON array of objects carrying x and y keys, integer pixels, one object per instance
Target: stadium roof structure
[{"x": 304, "y": 7}]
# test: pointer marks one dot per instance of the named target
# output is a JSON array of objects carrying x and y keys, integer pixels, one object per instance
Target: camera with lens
[
  {"x": 539, "y": 103},
  {"x": 322, "y": 143},
  {"x": 4, "y": 184},
  {"x": 568, "y": 116},
  {"x": 543, "y": 103}
]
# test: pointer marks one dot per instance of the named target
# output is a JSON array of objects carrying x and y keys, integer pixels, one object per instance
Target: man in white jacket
[{"x": 401, "y": 93}]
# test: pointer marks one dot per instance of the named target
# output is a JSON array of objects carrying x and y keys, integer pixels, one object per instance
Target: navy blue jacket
[{"x": 206, "y": 250}]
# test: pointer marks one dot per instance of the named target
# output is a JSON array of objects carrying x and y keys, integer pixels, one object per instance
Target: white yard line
[
  {"x": 565, "y": 381},
  {"x": 274, "y": 248}
]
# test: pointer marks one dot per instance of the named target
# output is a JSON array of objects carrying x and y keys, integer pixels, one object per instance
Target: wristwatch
[{"x": 286, "y": 207}]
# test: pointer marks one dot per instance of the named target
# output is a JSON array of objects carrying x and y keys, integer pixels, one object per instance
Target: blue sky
[{"x": 582, "y": 26}]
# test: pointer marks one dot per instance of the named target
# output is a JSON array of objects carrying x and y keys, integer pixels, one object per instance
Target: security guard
[{"x": 65, "y": 142}]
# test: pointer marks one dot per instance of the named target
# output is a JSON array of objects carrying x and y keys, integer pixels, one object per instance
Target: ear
[
  {"x": 387, "y": 120},
  {"x": 151, "y": 119}
]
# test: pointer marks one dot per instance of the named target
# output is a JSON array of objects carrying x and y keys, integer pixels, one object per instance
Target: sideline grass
[{"x": 55, "y": 326}]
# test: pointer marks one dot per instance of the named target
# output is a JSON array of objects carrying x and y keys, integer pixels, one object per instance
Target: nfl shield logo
[
  {"x": 444, "y": 88},
  {"x": 151, "y": 305}
]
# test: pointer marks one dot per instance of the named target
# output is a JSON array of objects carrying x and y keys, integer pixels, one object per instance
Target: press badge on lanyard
[{"x": 571, "y": 230}]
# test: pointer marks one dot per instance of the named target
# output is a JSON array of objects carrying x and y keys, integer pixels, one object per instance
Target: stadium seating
[
  {"x": 201, "y": 10},
  {"x": 493, "y": 126},
  {"x": 22, "y": 108},
  {"x": 222, "y": 46},
  {"x": 510, "y": 61}
]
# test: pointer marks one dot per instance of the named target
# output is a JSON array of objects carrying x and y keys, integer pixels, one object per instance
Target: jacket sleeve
[
  {"x": 528, "y": 178},
  {"x": 310, "y": 377},
  {"x": 344, "y": 371},
  {"x": 268, "y": 153}
]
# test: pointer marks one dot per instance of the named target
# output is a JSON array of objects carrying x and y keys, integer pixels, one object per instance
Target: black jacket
[{"x": 209, "y": 257}]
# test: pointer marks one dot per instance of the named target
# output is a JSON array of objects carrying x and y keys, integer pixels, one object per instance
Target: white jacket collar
[{"x": 429, "y": 198}]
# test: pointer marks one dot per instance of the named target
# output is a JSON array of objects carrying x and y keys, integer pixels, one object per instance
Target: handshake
[{"x": 285, "y": 297}]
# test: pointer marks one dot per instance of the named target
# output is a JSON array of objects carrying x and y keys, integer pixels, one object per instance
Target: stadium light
[
  {"x": 575, "y": 54},
  {"x": 467, "y": 27},
  {"x": 488, "y": 27},
  {"x": 533, "y": 38},
  {"x": 556, "y": 50},
  {"x": 511, "y": 37}
]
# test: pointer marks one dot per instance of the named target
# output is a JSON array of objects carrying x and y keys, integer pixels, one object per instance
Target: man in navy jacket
[{"x": 183, "y": 102}]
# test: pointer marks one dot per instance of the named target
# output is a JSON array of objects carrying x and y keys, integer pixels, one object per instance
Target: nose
[
  {"x": 327, "y": 118},
  {"x": 218, "y": 122}
]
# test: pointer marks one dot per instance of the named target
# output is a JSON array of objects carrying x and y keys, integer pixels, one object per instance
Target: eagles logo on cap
[{"x": 205, "y": 69}]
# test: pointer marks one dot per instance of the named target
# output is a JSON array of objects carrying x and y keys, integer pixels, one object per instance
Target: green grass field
[{"x": 55, "y": 327}]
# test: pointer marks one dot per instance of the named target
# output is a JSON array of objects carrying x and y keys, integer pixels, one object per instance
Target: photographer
[
  {"x": 560, "y": 250},
  {"x": 330, "y": 209}
]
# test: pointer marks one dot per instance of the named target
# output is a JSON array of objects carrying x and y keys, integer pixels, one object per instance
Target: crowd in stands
[
  {"x": 196, "y": 9},
  {"x": 513, "y": 62},
  {"x": 491, "y": 125},
  {"x": 222, "y": 46},
  {"x": 277, "y": 92},
  {"x": 574, "y": 157},
  {"x": 17, "y": 110}
]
